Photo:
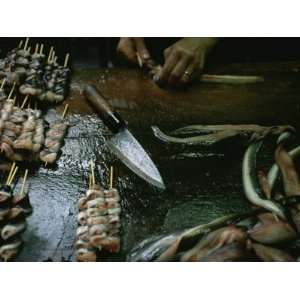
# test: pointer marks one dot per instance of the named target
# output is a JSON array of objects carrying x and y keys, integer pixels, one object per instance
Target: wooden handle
[
  {"x": 111, "y": 119},
  {"x": 96, "y": 99}
]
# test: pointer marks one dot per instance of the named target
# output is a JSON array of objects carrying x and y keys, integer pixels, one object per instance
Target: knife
[{"x": 123, "y": 144}]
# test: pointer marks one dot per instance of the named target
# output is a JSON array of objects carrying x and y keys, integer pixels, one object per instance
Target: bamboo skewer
[
  {"x": 90, "y": 181},
  {"x": 11, "y": 91},
  {"x": 3, "y": 83},
  {"x": 10, "y": 172},
  {"x": 111, "y": 179},
  {"x": 36, "y": 48},
  {"x": 66, "y": 60},
  {"x": 20, "y": 44},
  {"x": 14, "y": 101},
  {"x": 24, "y": 181},
  {"x": 13, "y": 175},
  {"x": 41, "y": 49},
  {"x": 29, "y": 49},
  {"x": 24, "y": 101},
  {"x": 26, "y": 43},
  {"x": 93, "y": 172},
  {"x": 65, "y": 111},
  {"x": 50, "y": 54}
]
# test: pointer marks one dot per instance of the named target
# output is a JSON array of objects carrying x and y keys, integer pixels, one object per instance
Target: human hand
[
  {"x": 184, "y": 60},
  {"x": 129, "y": 48}
]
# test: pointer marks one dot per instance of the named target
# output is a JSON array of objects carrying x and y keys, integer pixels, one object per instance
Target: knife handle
[{"x": 110, "y": 118}]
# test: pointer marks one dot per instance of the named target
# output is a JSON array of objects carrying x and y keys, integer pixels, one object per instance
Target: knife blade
[{"x": 123, "y": 144}]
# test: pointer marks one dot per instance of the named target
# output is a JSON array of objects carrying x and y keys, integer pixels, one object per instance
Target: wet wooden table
[{"x": 197, "y": 190}]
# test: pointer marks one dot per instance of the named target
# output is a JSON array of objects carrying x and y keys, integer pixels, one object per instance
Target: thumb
[
  {"x": 141, "y": 48},
  {"x": 126, "y": 48}
]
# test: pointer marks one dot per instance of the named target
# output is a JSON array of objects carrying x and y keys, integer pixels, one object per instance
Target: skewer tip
[
  {"x": 3, "y": 83},
  {"x": 24, "y": 101},
  {"x": 111, "y": 179},
  {"x": 26, "y": 43},
  {"x": 92, "y": 166},
  {"x": 11, "y": 91},
  {"x": 65, "y": 111},
  {"x": 36, "y": 48},
  {"x": 20, "y": 44},
  {"x": 41, "y": 49},
  {"x": 24, "y": 181},
  {"x": 13, "y": 175},
  {"x": 90, "y": 181},
  {"x": 66, "y": 60},
  {"x": 50, "y": 54}
]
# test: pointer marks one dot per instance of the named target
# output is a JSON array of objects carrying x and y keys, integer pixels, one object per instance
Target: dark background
[{"x": 95, "y": 52}]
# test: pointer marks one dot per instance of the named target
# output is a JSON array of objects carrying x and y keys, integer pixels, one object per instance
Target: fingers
[
  {"x": 141, "y": 48},
  {"x": 134, "y": 50},
  {"x": 171, "y": 59},
  {"x": 184, "y": 61},
  {"x": 193, "y": 71},
  {"x": 196, "y": 69},
  {"x": 179, "y": 71},
  {"x": 126, "y": 48},
  {"x": 187, "y": 70},
  {"x": 188, "y": 74}
]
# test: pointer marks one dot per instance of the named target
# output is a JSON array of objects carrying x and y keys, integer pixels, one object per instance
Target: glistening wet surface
[{"x": 199, "y": 189}]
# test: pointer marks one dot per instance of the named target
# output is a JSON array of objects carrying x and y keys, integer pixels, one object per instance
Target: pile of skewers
[
  {"x": 35, "y": 73},
  {"x": 24, "y": 135},
  {"x": 266, "y": 233},
  {"x": 98, "y": 221},
  {"x": 14, "y": 209},
  {"x": 54, "y": 140}
]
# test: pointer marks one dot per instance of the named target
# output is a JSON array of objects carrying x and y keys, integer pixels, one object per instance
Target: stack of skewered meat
[
  {"x": 14, "y": 66},
  {"x": 53, "y": 142},
  {"x": 56, "y": 80},
  {"x": 267, "y": 233},
  {"x": 36, "y": 75},
  {"x": 99, "y": 223},
  {"x": 24, "y": 134},
  {"x": 14, "y": 209}
]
